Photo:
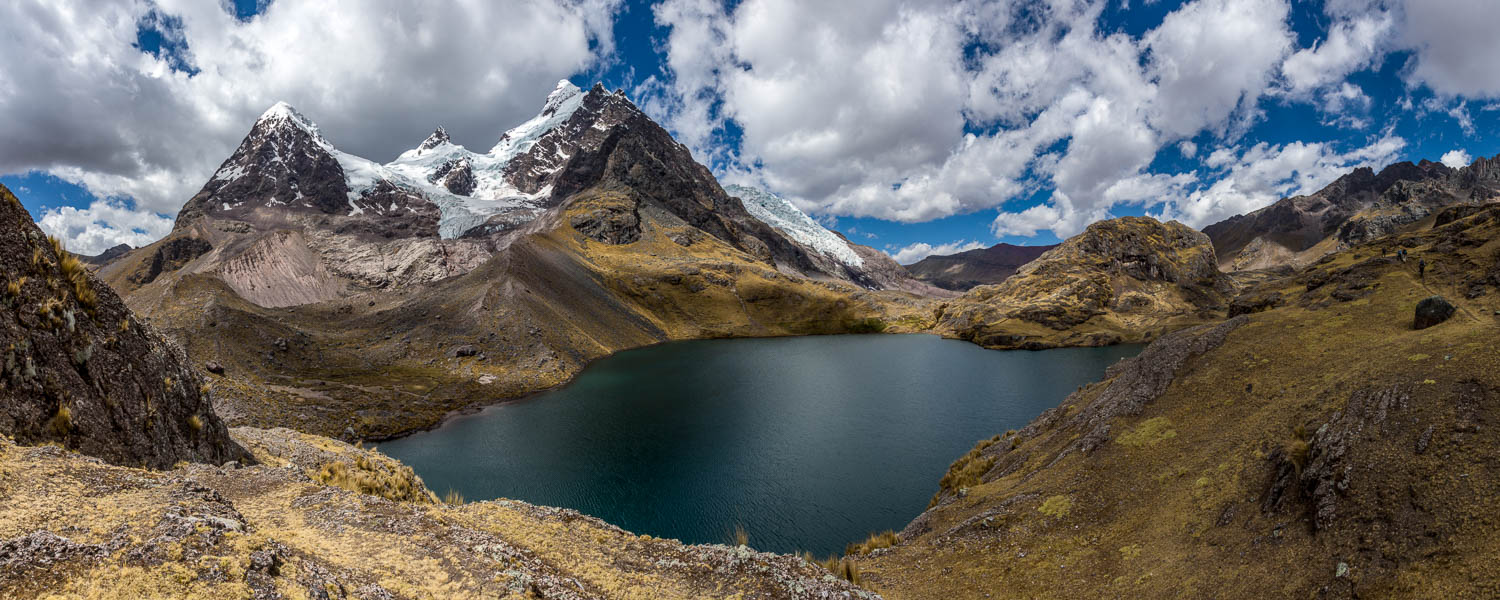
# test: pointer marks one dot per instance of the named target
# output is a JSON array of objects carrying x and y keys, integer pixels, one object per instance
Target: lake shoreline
[{"x": 482, "y": 405}]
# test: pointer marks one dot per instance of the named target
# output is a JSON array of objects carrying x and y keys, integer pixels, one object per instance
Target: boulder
[
  {"x": 462, "y": 351},
  {"x": 609, "y": 224},
  {"x": 213, "y": 367},
  {"x": 1431, "y": 311}
]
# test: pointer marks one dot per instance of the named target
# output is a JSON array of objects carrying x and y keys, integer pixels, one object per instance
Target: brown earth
[{"x": 967, "y": 270}]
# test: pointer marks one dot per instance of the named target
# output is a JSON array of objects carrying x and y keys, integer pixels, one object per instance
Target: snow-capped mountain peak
[
  {"x": 282, "y": 113},
  {"x": 560, "y": 94},
  {"x": 499, "y": 189},
  {"x": 437, "y": 143},
  {"x": 439, "y": 136},
  {"x": 560, "y": 105},
  {"x": 790, "y": 220}
]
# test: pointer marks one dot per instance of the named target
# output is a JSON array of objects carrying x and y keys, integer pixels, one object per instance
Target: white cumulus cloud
[
  {"x": 915, "y": 252},
  {"x": 1265, "y": 173},
  {"x": 864, "y": 113},
  {"x": 103, "y": 225},
  {"x": 1457, "y": 158},
  {"x": 83, "y": 103}
]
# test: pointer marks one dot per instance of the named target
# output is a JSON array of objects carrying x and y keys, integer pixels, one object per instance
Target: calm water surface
[{"x": 808, "y": 442}]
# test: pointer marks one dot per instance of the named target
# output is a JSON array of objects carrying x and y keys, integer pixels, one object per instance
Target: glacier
[{"x": 781, "y": 214}]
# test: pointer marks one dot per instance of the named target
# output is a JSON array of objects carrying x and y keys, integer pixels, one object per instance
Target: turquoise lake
[{"x": 807, "y": 442}]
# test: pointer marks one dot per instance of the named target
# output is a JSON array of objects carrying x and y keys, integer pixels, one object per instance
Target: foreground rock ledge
[{"x": 75, "y": 526}]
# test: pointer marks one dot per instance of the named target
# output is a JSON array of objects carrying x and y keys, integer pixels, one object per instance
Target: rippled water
[{"x": 807, "y": 442}]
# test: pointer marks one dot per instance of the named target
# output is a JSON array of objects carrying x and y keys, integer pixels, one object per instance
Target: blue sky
[{"x": 911, "y": 126}]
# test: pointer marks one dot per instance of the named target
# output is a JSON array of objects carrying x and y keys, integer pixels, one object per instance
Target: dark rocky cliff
[{"x": 80, "y": 370}]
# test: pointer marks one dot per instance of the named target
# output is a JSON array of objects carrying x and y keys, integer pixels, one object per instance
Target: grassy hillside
[{"x": 1321, "y": 447}]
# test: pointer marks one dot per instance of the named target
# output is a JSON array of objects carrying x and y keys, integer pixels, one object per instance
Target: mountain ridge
[
  {"x": 1358, "y": 206},
  {"x": 329, "y": 290},
  {"x": 966, "y": 270}
]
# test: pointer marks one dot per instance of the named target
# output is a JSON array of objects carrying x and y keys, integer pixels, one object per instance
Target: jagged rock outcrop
[
  {"x": 284, "y": 173},
  {"x": 1358, "y": 207},
  {"x": 283, "y": 162},
  {"x": 972, "y": 268},
  {"x": 82, "y": 372},
  {"x": 456, "y": 176},
  {"x": 1126, "y": 276},
  {"x": 169, "y": 256}
]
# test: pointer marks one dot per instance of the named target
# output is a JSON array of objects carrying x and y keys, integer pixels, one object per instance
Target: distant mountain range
[
  {"x": 983, "y": 266},
  {"x": 1357, "y": 207}
]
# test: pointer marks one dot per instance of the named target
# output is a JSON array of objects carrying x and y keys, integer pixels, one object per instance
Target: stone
[
  {"x": 1431, "y": 311},
  {"x": 213, "y": 367},
  {"x": 462, "y": 351}
]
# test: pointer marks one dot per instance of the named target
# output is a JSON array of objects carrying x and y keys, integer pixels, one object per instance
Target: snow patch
[
  {"x": 229, "y": 173},
  {"x": 561, "y": 104},
  {"x": 283, "y": 112},
  {"x": 492, "y": 195}
]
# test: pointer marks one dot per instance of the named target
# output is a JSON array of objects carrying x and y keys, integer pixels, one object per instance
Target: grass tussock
[
  {"x": 1297, "y": 448},
  {"x": 966, "y": 471},
  {"x": 195, "y": 423},
  {"x": 1149, "y": 433},
  {"x": 841, "y": 566},
  {"x": 62, "y": 422},
  {"x": 1056, "y": 506},
  {"x": 741, "y": 537},
  {"x": 386, "y": 479},
  {"x": 73, "y": 271},
  {"x": 453, "y": 498},
  {"x": 876, "y": 541}
]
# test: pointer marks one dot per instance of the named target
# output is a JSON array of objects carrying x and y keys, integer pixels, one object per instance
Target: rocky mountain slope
[
  {"x": 1121, "y": 280},
  {"x": 81, "y": 372},
  {"x": 1318, "y": 445},
  {"x": 1359, "y": 206},
  {"x": 972, "y": 268},
  {"x": 350, "y": 298}
]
